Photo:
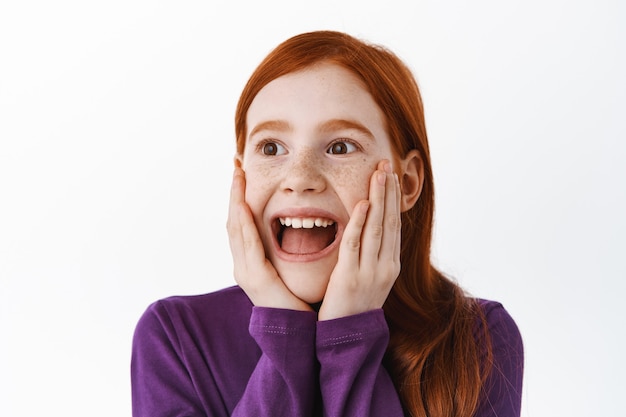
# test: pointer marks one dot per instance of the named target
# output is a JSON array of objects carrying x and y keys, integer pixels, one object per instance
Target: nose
[{"x": 304, "y": 174}]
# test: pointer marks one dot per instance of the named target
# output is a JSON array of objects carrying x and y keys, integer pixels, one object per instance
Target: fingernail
[
  {"x": 387, "y": 167},
  {"x": 381, "y": 176}
]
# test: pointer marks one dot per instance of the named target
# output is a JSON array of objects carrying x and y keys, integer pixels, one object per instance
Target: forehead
[{"x": 315, "y": 95}]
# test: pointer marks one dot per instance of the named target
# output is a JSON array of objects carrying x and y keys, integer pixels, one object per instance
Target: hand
[
  {"x": 253, "y": 272},
  {"x": 369, "y": 254}
]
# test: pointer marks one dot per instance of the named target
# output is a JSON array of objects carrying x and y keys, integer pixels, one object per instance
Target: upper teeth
[{"x": 305, "y": 222}]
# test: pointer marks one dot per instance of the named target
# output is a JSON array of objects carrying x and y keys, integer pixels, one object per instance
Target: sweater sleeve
[
  {"x": 502, "y": 393},
  {"x": 353, "y": 380},
  {"x": 171, "y": 377},
  {"x": 284, "y": 382}
]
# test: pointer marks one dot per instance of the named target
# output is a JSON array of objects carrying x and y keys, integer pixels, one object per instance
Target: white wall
[{"x": 116, "y": 138}]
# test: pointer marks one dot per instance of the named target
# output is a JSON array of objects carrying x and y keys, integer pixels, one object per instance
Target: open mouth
[{"x": 305, "y": 235}]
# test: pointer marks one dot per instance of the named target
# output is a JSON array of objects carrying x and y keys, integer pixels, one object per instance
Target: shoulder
[
  {"x": 503, "y": 388},
  {"x": 229, "y": 307},
  {"x": 225, "y": 301},
  {"x": 502, "y": 328}
]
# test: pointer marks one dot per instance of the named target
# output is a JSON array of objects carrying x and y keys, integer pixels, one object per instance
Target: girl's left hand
[{"x": 369, "y": 255}]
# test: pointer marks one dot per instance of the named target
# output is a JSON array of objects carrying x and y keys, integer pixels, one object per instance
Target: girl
[{"x": 338, "y": 310}]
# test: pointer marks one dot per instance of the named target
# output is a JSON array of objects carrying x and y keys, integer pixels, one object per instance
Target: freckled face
[{"x": 314, "y": 139}]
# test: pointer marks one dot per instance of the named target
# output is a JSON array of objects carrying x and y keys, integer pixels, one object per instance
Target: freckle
[
  {"x": 261, "y": 173},
  {"x": 351, "y": 177},
  {"x": 264, "y": 171},
  {"x": 308, "y": 165},
  {"x": 308, "y": 160}
]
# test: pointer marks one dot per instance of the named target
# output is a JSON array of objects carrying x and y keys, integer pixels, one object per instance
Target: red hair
[{"x": 435, "y": 356}]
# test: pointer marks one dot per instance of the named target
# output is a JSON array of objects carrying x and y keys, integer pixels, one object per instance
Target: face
[{"x": 314, "y": 139}]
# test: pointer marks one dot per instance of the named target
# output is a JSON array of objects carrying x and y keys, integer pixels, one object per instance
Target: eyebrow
[
  {"x": 329, "y": 126},
  {"x": 343, "y": 124},
  {"x": 275, "y": 125}
]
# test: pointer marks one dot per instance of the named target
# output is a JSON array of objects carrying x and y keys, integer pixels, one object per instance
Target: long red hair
[{"x": 438, "y": 342}]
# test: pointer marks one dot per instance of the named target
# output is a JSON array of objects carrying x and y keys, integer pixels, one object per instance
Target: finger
[
  {"x": 251, "y": 240},
  {"x": 237, "y": 198},
  {"x": 389, "y": 251},
  {"x": 398, "y": 242},
  {"x": 349, "y": 251},
  {"x": 245, "y": 242},
  {"x": 238, "y": 187},
  {"x": 236, "y": 215},
  {"x": 374, "y": 226}
]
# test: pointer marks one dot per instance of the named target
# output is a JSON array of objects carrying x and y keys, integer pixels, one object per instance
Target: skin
[{"x": 317, "y": 146}]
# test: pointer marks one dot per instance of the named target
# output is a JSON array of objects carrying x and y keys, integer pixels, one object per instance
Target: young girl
[{"x": 338, "y": 310}]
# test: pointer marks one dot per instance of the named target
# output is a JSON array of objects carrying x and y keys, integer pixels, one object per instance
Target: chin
[{"x": 307, "y": 282}]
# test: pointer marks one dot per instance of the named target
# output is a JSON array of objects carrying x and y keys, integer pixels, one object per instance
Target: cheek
[
  {"x": 353, "y": 183},
  {"x": 260, "y": 180}
]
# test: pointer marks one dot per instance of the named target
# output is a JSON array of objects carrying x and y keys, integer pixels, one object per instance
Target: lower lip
[{"x": 307, "y": 257}]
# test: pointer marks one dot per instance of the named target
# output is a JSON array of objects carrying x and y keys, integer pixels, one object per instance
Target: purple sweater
[{"x": 218, "y": 355}]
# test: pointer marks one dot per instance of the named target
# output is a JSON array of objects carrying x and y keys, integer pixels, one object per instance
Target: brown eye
[
  {"x": 272, "y": 148},
  {"x": 340, "y": 148},
  {"x": 269, "y": 149}
]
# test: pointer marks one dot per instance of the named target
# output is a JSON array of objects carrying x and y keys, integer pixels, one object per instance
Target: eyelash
[
  {"x": 261, "y": 145},
  {"x": 346, "y": 141}
]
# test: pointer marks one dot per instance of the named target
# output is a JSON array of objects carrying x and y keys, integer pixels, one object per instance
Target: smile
[
  {"x": 305, "y": 237},
  {"x": 305, "y": 222}
]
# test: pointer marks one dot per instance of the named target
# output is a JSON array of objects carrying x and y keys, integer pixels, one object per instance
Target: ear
[
  {"x": 411, "y": 179},
  {"x": 238, "y": 160}
]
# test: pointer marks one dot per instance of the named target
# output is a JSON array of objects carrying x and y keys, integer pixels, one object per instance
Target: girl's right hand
[{"x": 254, "y": 273}]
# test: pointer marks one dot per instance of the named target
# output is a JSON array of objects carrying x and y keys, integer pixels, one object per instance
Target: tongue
[{"x": 303, "y": 241}]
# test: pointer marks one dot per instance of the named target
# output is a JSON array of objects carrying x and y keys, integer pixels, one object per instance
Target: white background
[{"x": 116, "y": 144}]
